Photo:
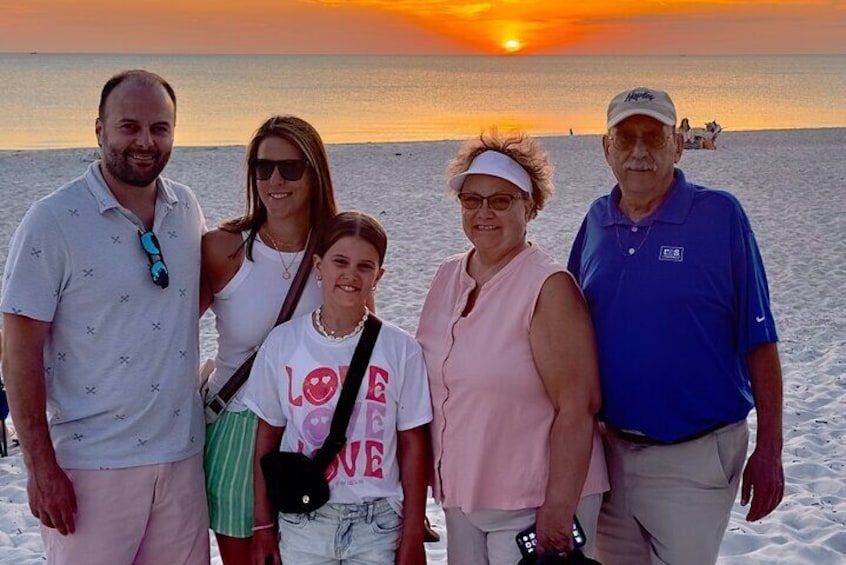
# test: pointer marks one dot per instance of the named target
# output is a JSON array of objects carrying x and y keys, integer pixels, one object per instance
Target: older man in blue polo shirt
[{"x": 687, "y": 346}]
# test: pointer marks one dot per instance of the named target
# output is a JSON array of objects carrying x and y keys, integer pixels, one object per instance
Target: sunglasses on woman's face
[
  {"x": 158, "y": 269},
  {"x": 289, "y": 169}
]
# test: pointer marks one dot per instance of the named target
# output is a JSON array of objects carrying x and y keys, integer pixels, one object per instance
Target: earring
[{"x": 319, "y": 281}]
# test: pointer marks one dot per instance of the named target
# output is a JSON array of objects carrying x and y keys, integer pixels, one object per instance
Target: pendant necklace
[
  {"x": 286, "y": 274},
  {"x": 631, "y": 250},
  {"x": 318, "y": 323}
]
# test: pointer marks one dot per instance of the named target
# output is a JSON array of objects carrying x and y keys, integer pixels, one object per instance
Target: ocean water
[{"x": 50, "y": 100}]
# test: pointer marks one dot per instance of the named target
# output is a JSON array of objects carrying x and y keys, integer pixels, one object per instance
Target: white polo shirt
[{"x": 121, "y": 356}]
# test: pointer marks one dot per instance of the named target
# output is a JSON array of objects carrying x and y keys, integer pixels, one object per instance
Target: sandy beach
[{"x": 790, "y": 183}]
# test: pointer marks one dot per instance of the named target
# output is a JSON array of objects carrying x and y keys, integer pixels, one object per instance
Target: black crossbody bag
[{"x": 296, "y": 483}]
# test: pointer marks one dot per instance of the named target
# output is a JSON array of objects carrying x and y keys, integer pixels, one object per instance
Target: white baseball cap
[
  {"x": 495, "y": 164},
  {"x": 642, "y": 102}
]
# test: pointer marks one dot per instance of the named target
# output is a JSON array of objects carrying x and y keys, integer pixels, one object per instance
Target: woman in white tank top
[{"x": 248, "y": 266}]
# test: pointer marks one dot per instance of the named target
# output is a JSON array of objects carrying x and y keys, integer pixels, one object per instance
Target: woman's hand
[
  {"x": 554, "y": 530},
  {"x": 411, "y": 552},
  {"x": 265, "y": 545},
  {"x": 264, "y": 548},
  {"x": 413, "y": 455}
]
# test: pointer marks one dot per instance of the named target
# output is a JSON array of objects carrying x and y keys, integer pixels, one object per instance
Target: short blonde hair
[{"x": 518, "y": 145}]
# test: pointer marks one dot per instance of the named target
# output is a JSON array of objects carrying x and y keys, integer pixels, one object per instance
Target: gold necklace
[
  {"x": 286, "y": 274},
  {"x": 631, "y": 250}
]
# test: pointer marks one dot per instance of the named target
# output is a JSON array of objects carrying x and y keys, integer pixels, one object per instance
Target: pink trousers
[{"x": 151, "y": 514}]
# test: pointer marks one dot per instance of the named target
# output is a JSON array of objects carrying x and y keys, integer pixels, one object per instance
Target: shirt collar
[
  {"x": 512, "y": 264},
  {"x": 106, "y": 199},
  {"x": 673, "y": 210}
]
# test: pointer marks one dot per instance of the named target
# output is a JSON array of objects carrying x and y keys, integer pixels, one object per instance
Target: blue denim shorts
[{"x": 366, "y": 533}]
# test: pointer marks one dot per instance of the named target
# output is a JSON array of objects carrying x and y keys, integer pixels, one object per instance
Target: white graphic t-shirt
[{"x": 296, "y": 382}]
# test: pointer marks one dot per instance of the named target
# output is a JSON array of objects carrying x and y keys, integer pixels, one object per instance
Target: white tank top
[{"x": 246, "y": 309}]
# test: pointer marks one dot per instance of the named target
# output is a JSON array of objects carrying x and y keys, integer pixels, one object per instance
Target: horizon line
[
  {"x": 183, "y": 145},
  {"x": 434, "y": 54}
]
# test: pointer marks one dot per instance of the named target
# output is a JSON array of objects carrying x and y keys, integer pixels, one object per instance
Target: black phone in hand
[{"x": 527, "y": 540}]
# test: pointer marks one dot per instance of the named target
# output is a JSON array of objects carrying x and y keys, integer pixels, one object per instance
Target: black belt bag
[{"x": 297, "y": 484}]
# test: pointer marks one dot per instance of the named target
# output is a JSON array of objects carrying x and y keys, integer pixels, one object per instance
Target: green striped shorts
[{"x": 230, "y": 442}]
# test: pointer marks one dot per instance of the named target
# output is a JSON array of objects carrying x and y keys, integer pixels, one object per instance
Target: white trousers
[{"x": 489, "y": 537}]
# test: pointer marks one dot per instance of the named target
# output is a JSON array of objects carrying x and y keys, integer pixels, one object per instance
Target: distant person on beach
[
  {"x": 685, "y": 131},
  {"x": 100, "y": 304},
  {"x": 687, "y": 346},
  {"x": 511, "y": 358},
  {"x": 249, "y": 264},
  {"x": 377, "y": 499}
]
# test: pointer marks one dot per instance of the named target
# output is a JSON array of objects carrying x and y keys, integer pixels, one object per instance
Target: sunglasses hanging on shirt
[{"x": 158, "y": 269}]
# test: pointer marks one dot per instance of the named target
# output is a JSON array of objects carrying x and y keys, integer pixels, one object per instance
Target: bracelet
[{"x": 264, "y": 527}]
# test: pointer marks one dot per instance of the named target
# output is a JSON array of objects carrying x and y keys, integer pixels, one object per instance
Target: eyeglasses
[
  {"x": 158, "y": 269},
  {"x": 289, "y": 169},
  {"x": 499, "y": 201},
  {"x": 653, "y": 140}
]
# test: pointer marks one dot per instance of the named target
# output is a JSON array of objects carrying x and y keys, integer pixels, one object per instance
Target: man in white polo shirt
[{"x": 100, "y": 307}]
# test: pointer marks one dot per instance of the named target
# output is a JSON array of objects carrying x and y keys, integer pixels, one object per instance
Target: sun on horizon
[{"x": 512, "y": 45}]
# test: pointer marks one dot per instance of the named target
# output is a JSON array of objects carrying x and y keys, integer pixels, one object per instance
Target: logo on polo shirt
[{"x": 670, "y": 253}]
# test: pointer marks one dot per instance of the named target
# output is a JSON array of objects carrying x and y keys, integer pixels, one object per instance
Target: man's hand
[
  {"x": 763, "y": 477},
  {"x": 553, "y": 530},
  {"x": 51, "y": 497},
  {"x": 763, "y": 484}
]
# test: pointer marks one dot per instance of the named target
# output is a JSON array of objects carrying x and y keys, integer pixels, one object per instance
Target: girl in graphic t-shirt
[{"x": 379, "y": 477}]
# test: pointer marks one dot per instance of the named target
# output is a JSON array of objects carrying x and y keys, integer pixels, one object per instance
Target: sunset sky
[{"x": 425, "y": 26}]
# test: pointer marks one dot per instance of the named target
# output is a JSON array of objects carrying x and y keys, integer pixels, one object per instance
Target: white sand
[{"x": 790, "y": 182}]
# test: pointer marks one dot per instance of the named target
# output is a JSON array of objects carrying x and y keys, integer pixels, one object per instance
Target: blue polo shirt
[{"x": 678, "y": 299}]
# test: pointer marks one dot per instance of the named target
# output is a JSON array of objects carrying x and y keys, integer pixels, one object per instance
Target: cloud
[
  {"x": 546, "y": 26},
  {"x": 423, "y": 26}
]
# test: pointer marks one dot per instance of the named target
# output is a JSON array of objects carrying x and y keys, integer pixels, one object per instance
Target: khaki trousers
[{"x": 670, "y": 504}]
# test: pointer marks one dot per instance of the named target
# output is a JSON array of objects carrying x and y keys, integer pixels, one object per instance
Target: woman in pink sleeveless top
[{"x": 510, "y": 353}]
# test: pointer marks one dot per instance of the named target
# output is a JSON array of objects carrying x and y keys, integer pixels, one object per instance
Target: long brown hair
[{"x": 322, "y": 207}]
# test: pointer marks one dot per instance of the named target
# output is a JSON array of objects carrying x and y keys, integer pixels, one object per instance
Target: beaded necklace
[{"x": 318, "y": 323}]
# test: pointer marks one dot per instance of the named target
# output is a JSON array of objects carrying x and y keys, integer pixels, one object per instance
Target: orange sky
[{"x": 424, "y": 26}]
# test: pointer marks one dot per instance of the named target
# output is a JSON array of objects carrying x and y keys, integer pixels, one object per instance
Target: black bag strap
[
  {"x": 343, "y": 411},
  {"x": 219, "y": 401}
]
